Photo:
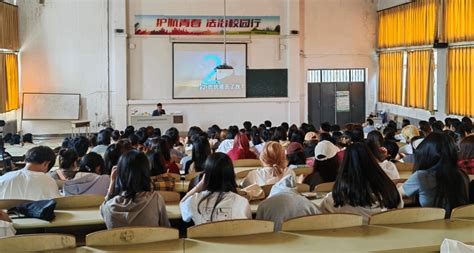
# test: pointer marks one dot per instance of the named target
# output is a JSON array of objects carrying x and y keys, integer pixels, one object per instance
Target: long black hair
[
  {"x": 201, "y": 150},
  {"x": 361, "y": 181},
  {"x": 133, "y": 175},
  {"x": 219, "y": 177},
  {"x": 374, "y": 142},
  {"x": 438, "y": 152},
  {"x": 157, "y": 162}
]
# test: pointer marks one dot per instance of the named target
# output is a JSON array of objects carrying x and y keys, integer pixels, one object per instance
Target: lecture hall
[{"x": 237, "y": 126}]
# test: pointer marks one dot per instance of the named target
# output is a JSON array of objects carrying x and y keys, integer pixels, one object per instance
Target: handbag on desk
[{"x": 41, "y": 209}]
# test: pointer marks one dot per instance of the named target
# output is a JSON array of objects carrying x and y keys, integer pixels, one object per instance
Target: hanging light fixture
[{"x": 224, "y": 66}]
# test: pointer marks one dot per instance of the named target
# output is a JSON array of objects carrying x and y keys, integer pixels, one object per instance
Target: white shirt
[
  {"x": 26, "y": 184},
  {"x": 225, "y": 146},
  {"x": 327, "y": 206},
  {"x": 390, "y": 169},
  {"x": 231, "y": 207},
  {"x": 264, "y": 176},
  {"x": 6, "y": 229}
]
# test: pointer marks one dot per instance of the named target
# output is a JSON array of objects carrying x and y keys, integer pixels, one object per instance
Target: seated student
[
  {"x": 374, "y": 142},
  {"x": 31, "y": 182},
  {"x": 6, "y": 225},
  {"x": 467, "y": 122},
  {"x": 361, "y": 186},
  {"x": 6, "y": 158},
  {"x": 80, "y": 145},
  {"x": 274, "y": 166},
  {"x": 201, "y": 150},
  {"x": 369, "y": 126},
  {"x": 295, "y": 155},
  {"x": 284, "y": 202},
  {"x": 89, "y": 178},
  {"x": 130, "y": 200},
  {"x": 67, "y": 165},
  {"x": 215, "y": 198},
  {"x": 310, "y": 142},
  {"x": 161, "y": 180},
  {"x": 176, "y": 147},
  {"x": 414, "y": 143},
  {"x": 408, "y": 132},
  {"x": 437, "y": 179},
  {"x": 280, "y": 135},
  {"x": 241, "y": 149},
  {"x": 266, "y": 137},
  {"x": 112, "y": 155},
  {"x": 466, "y": 155},
  {"x": 227, "y": 144},
  {"x": 326, "y": 165},
  {"x": 164, "y": 147},
  {"x": 103, "y": 142}
]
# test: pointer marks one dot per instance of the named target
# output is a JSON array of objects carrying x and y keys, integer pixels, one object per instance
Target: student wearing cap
[
  {"x": 325, "y": 165},
  {"x": 310, "y": 141}
]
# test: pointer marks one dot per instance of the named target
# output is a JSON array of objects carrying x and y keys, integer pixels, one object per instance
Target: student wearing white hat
[{"x": 325, "y": 165}]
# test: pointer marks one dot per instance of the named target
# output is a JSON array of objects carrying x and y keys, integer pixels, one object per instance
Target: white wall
[
  {"x": 150, "y": 57},
  {"x": 64, "y": 50},
  {"x": 342, "y": 34}
]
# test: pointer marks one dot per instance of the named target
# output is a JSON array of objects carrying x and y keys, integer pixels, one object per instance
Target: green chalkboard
[{"x": 267, "y": 83}]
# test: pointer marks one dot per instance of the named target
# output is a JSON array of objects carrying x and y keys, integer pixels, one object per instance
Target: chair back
[
  {"x": 9, "y": 203},
  {"x": 322, "y": 221},
  {"x": 404, "y": 166},
  {"x": 463, "y": 212},
  {"x": 78, "y": 201},
  {"x": 170, "y": 197},
  {"x": 303, "y": 171},
  {"x": 37, "y": 242},
  {"x": 324, "y": 187},
  {"x": 230, "y": 228},
  {"x": 407, "y": 215},
  {"x": 247, "y": 163},
  {"x": 130, "y": 236}
]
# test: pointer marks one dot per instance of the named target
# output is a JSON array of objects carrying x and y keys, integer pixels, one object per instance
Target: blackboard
[{"x": 267, "y": 83}]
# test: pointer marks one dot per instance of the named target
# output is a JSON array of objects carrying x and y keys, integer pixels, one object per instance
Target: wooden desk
[
  {"x": 362, "y": 239},
  {"x": 166, "y": 246},
  {"x": 78, "y": 124},
  {"x": 405, "y": 174},
  {"x": 64, "y": 218}
]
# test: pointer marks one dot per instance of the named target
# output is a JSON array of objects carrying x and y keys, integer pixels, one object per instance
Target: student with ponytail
[
  {"x": 67, "y": 165},
  {"x": 274, "y": 168}
]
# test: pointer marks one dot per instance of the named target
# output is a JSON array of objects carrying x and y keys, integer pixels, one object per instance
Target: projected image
[{"x": 195, "y": 75}]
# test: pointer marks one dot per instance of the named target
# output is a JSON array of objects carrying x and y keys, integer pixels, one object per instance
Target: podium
[{"x": 162, "y": 122}]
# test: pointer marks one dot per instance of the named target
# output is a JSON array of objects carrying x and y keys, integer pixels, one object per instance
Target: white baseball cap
[{"x": 325, "y": 150}]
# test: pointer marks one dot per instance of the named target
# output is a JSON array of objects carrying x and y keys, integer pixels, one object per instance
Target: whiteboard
[{"x": 51, "y": 106}]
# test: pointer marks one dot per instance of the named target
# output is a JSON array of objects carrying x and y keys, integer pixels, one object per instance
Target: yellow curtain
[
  {"x": 11, "y": 64},
  {"x": 3, "y": 84},
  {"x": 9, "y": 38},
  {"x": 411, "y": 24},
  {"x": 420, "y": 82},
  {"x": 461, "y": 81},
  {"x": 458, "y": 21},
  {"x": 390, "y": 77},
  {"x": 9, "y": 90}
]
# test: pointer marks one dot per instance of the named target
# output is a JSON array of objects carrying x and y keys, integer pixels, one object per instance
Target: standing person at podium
[{"x": 159, "y": 110}]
